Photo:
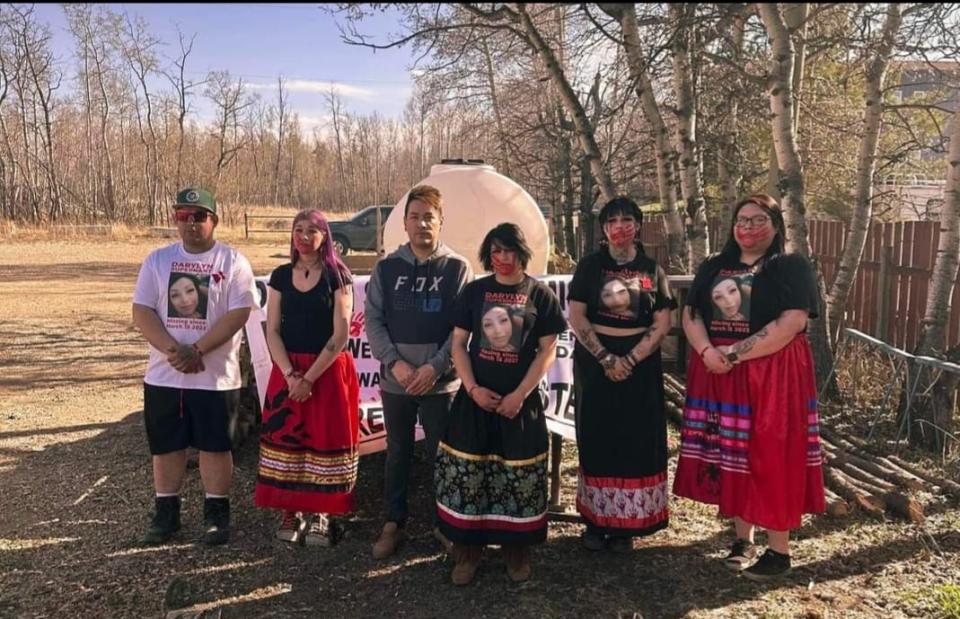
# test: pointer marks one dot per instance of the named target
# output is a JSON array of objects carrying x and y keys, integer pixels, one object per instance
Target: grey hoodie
[{"x": 409, "y": 313}]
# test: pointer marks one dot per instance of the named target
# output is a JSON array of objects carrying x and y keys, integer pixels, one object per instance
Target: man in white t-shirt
[{"x": 191, "y": 301}]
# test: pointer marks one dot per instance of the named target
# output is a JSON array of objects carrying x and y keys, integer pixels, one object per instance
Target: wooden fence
[{"x": 889, "y": 295}]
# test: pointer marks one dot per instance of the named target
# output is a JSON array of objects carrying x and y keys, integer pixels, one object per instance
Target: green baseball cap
[{"x": 195, "y": 196}]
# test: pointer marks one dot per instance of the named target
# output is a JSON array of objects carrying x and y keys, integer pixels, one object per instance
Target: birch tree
[
  {"x": 664, "y": 153},
  {"x": 866, "y": 166},
  {"x": 780, "y": 85}
]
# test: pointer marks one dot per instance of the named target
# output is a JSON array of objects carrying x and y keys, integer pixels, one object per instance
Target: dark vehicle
[{"x": 359, "y": 233}]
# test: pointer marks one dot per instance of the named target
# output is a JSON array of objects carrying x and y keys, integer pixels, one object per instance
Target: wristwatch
[
  {"x": 732, "y": 357},
  {"x": 609, "y": 361}
]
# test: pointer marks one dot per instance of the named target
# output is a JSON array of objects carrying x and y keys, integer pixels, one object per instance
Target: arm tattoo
[
  {"x": 746, "y": 345},
  {"x": 647, "y": 335},
  {"x": 589, "y": 339},
  {"x": 331, "y": 345}
]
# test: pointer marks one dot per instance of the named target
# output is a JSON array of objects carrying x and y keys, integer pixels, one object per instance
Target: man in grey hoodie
[{"x": 409, "y": 322}]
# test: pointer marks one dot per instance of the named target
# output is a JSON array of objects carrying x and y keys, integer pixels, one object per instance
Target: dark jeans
[{"x": 400, "y": 417}]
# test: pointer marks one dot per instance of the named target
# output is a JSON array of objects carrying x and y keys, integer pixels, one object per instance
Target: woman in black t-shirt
[
  {"x": 491, "y": 470},
  {"x": 309, "y": 441},
  {"x": 620, "y": 306},
  {"x": 750, "y": 441}
]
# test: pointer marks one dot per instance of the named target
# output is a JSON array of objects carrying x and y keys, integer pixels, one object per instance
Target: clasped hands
[
  {"x": 623, "y": 366},
  {"x": 416, "y": 381},
  {"x": 298, "y": 387},
  {"x": 507, "y": 405},
  {"x": 185, "y": 358},
  {"x": 715, "y": 358}
]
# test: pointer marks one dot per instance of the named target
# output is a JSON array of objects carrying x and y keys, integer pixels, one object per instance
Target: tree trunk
[
  {"x": 866, "y": 166},
  {"x": 584, "y": 128},
  {"x": 691, "y": 183},
  {"x": 788, "y": 159},
  {"x": 730, "y": 159},
  {"x": 495, "y": 106},
  {"x": 936, "y": 415},
  {"x": 664, "y": 152},
  {"x": 281, "y": 125}
]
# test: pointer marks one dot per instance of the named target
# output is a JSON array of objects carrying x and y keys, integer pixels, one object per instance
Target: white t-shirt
[{"x": 190, "y": 293}]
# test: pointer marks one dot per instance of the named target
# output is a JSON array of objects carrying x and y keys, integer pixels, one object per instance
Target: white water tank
[{"x": 475, "y": 199}]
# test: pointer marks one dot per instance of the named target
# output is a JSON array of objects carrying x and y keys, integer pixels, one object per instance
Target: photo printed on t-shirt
[
  {"x": 621, "y": 292},
  {"x": 730, "y": 295},
  {"x": 187, "y": 295},
  {"x": 501, "y": 326}
]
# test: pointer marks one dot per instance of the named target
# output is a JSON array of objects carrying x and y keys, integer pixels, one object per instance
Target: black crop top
[
  {"x": 620, "y": 295},
  {"x": 306, "y": 318}
]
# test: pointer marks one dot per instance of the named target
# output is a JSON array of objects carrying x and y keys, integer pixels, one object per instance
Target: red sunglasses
[{"x": 194, "y": 216}]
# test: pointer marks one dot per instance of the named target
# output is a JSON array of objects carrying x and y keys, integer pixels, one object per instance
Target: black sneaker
[
  {"x": 620, "y": 544},
  {"x": 592, "y": 539},
  {"x": 771, "y": 565},
  {"x": 216, "y": 519},
  {"x": 742, "y": 555},
  {"x": 166, "y": 520}
]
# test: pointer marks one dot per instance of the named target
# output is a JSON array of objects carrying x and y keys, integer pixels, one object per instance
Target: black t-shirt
[
  {"x": 736, "y": 300},
  {"x": 506, "y": 323},
  {"x": 620, "y": 295},
  {"x": 306, "y": 318}
]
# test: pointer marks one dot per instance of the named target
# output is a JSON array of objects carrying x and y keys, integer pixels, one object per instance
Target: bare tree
[
  {"x": 866, "y": 166},
  {"x": 936, "y": 416},
  {"x": 283, "y": 110},
  {"x": 177, "y": 79},
  {"x": 230, "y": 100},
  {"x": 664, "y": 152},
  {"x": 691, "y": 184}
]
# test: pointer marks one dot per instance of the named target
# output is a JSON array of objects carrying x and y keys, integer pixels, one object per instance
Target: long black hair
[{"x": 622, "y": 205}]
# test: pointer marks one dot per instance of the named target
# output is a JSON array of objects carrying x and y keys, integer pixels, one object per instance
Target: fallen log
[
  {"x": 849, "y": 491},
  {"x": 946, "y": 486}
]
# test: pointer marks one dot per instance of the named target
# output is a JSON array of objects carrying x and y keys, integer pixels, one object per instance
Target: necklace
[{"x": 306, "y": 269}]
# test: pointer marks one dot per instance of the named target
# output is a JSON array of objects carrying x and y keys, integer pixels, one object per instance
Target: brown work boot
[
  {"x": 517, "y": 559},
  {"x": 388, "y": 541},
  {"x": 467, "y": 559}
]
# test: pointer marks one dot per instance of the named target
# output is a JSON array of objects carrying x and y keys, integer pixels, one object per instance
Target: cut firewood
[
  {"x": 857, "y": 497},
  {"x": 905, "y": 506},
  {"x": 948, "y": 487},
  {"x": 837, "y": 507}
]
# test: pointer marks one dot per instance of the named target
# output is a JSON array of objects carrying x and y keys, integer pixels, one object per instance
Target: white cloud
[{"x": 319, "y": 86}]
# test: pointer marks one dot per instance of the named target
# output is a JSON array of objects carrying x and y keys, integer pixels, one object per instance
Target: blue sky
[{"x": 262, "y": 41}]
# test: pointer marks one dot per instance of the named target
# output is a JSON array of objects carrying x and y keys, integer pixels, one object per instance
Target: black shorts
[{"x": 180, "y": 418}]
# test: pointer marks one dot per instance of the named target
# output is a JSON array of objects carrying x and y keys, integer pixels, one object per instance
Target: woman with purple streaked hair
[{"x": 309, "y": 443}]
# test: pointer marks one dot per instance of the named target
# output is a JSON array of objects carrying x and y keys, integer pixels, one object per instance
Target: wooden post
[
  {"x": 246, "y": 227},
  {"x": 556, "y": 455},
  {"x": 883, "y": 290}
]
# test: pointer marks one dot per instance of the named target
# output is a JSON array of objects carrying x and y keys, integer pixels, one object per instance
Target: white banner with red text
[{"x": 373, "y": 436}]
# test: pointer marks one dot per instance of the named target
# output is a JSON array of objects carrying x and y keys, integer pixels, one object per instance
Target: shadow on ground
[{"x": 73, "y": 514}]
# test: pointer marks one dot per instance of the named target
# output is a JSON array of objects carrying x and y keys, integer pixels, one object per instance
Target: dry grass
[{"x": 75, "y": 492}]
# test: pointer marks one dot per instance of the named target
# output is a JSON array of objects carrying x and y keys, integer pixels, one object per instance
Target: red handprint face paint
[{"x": 621, "y": 230}]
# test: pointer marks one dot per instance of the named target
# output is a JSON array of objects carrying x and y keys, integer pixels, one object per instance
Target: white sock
[
  {"x": 166, "y": 494},
  {"x": 216, "y": 496}
]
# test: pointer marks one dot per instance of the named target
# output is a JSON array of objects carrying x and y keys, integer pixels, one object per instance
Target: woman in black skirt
[
  {"x": 491, "y": 468},
  {"x": 620, "y": 305}
]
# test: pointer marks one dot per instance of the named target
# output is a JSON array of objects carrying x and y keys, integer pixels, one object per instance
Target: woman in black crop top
[
  {"x": 620, "y": 306},
  {"x": 749, "y": 441},
  {"x": 309, "y": 443}
]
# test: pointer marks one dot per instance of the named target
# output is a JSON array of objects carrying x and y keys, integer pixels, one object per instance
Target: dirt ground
[{"x": 75, "y": 496}]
